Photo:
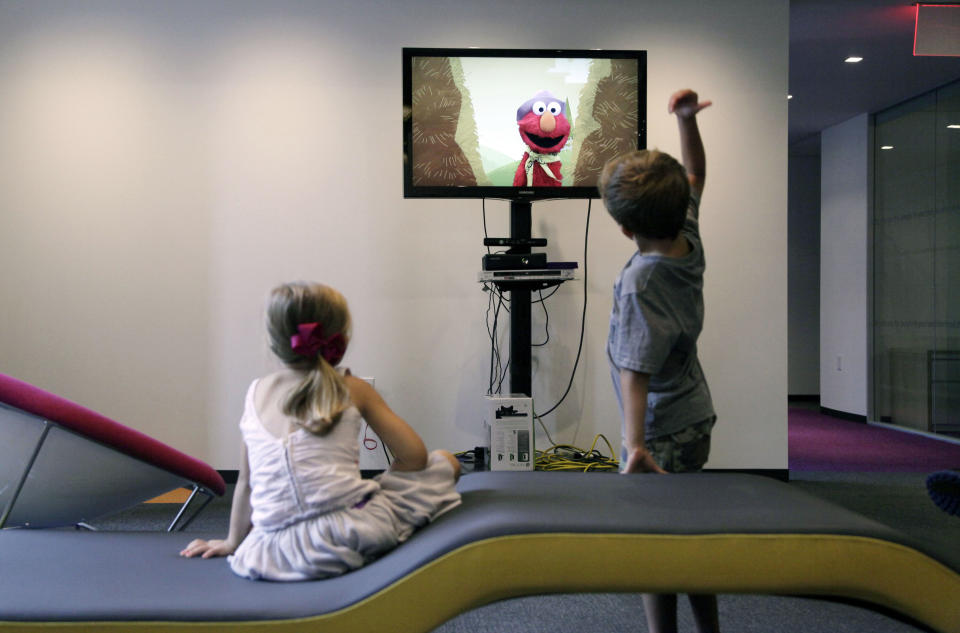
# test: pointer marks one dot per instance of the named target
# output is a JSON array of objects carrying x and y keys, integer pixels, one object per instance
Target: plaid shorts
[{"x": 685, "y": 451}]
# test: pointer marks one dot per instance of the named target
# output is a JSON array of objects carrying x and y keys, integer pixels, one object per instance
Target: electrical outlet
[{"x": 373, "y": 454}]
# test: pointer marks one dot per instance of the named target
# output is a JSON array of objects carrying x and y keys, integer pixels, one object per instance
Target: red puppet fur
[{"x": 545, "y": 133}]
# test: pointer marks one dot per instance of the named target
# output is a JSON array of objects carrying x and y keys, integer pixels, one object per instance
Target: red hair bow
[{"x": 310, "y": 342}]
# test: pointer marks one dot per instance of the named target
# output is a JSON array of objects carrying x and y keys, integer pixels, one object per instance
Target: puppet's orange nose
[{"x": 548, "y": 122}]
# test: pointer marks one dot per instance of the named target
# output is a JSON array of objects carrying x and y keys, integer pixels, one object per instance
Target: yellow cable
[{"x": 567, "y": 457}]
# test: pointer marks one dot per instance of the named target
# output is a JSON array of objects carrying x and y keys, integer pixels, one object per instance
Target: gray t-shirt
[{"x": 654, "y": 325}]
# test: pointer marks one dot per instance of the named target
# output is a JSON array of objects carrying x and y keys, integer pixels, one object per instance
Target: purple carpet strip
[{"x": 821, "y": 442}]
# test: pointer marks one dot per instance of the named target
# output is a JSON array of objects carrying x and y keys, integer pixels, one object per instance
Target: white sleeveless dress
[{"x": 314, "y": 516}]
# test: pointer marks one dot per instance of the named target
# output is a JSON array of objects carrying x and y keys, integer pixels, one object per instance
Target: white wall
[
  {"x": 844, "y": 298},
  {"x": 162, "y": 165},
  {"x": 803, "y": 306}
]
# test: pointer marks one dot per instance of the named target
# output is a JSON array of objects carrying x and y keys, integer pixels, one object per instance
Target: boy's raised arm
[{"x": 686, "y": 104}]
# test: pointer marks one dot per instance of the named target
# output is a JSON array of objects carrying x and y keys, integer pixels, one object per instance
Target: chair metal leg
[
  {"x": 196, "y": 489},
  {"x": 26, "y": 473}
]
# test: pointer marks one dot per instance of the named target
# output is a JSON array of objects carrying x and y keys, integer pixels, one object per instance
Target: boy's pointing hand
[{"x": 686, "y": 104}]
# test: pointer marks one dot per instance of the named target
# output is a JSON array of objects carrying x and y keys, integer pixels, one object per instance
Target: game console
[
  {"x": 514, "y": 261},
  {"x": 533, "y": 274}
]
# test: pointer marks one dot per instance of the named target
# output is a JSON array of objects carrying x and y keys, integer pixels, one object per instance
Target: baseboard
[
  {"x": 783, "y": 474},
  {"x": 843, "y": 415},
  {"x": 812, "y": 397}
]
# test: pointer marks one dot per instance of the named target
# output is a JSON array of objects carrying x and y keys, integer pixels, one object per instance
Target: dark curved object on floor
[{"x": 944, "y": 488}]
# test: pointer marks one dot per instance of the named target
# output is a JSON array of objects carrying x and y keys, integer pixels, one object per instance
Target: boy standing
[{"x": 656, "y": 319}]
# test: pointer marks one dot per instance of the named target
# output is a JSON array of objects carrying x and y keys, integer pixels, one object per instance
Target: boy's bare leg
[
  {"x": 661, "y": 610},
  {"x": 704, "y": 607}
]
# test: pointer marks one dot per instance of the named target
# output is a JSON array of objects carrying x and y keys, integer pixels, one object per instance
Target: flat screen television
[{"x": 518, "y": 124}]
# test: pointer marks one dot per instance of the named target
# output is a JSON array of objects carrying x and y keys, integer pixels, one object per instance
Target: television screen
[{"x": 518, "y": 124}]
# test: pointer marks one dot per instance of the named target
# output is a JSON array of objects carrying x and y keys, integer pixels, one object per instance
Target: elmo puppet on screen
[{"x": 544, "y": 127}]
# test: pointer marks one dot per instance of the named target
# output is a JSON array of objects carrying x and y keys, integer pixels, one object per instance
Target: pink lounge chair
[{"x": 62, "y": 464}]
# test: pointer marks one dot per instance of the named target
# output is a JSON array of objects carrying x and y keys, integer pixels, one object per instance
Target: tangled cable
[{"x": 567, "y": 457}]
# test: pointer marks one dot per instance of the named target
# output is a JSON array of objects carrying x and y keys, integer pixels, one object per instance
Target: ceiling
[{"x": 827, "y": 91}]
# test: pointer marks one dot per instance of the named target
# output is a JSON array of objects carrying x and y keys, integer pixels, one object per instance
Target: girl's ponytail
[
  {"x": 309, "y": 325},
  {"x": 319, "y": 399}
]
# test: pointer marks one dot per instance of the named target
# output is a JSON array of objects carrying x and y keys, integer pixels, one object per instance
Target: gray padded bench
[{"x": 514, "y": 535}]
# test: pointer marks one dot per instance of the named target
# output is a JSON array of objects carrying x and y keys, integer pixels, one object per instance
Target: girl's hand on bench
[{"x": 208, "y": 549}]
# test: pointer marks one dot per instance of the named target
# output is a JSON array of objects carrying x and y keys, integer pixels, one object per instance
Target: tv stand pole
[{"x": 520, "y": 308}]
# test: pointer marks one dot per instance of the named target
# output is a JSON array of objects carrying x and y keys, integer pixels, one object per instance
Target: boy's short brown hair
[{"x": 647, "y": 193}]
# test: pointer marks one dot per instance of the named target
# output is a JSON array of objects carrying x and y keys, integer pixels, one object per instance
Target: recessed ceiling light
[
  {"x": 853, "y": 59},
  {"x": 886, "y": 147}
]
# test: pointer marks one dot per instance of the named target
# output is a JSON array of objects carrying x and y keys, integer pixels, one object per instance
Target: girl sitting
[{"x": 300, "y": 508}]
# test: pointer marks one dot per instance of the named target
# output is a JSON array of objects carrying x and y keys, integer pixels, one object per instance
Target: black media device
[
  {"x": 513, "y": 242},
  {"x": 514, "y": 261},
  {"x": 489, "y": 123}
]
